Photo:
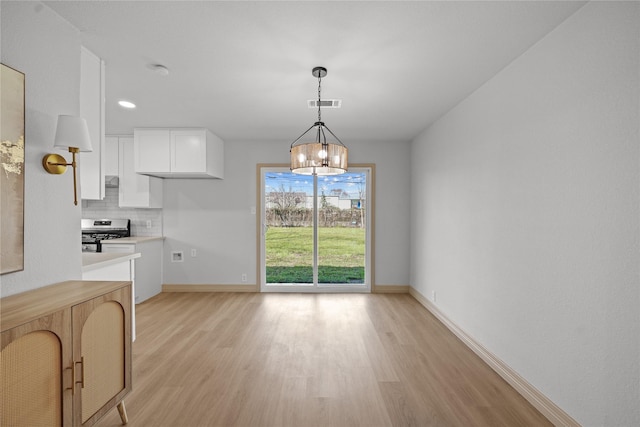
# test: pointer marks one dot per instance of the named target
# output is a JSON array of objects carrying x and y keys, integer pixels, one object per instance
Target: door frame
[{"x": 370, "y": 241}]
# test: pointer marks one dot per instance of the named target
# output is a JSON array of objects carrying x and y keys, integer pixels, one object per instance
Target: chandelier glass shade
[{"x": 319, "y": 157}]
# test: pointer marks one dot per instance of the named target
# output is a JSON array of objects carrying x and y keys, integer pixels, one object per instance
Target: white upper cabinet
[
  {"x": 135, "y": 190},
  {"x": 152, "y": 151},
  {"x": 111, "y": 155},
  {"x": 178, "y": 153},
  {"x": 92, "y": 164},
  {"x": 188, "y": 152}
]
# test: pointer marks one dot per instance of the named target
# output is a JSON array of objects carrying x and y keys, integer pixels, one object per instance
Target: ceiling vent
[{"x": 325, "y": 103}]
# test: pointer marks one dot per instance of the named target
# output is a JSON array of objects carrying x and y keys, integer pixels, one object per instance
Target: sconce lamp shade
[
  {"x": 72, "y": 131},
  {"x": 71, "y": 134},
  {"x": 315, "y": 158}
]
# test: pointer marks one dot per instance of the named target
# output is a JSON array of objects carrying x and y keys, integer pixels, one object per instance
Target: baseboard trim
[
  {"x": 553, "y": 412},
  {"x": 391, "y": 289},
  {"x": 209, "y": 288},
  {"x": 379, "y": 289}
]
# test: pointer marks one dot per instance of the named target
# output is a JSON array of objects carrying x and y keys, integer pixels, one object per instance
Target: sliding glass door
[{"x": 315, "y": 231}]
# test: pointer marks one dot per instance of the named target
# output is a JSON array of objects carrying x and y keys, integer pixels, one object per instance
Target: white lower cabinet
[{"x": 148, "y": 268}]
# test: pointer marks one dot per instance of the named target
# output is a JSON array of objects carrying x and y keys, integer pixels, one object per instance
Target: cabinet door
[
  {"x": 92, "y": 164},
  {"x": 148, "y": 270},
  {"x": 152, "y": 150},
  {"x": 102, "y": 349},
  {"x": 136, "y": 190},
  {"x": 35, "y": 371},
  {"x": 133, "y": 188},
  {"x": 188, "y": 151},
  {"x": 111, "y": 155}
]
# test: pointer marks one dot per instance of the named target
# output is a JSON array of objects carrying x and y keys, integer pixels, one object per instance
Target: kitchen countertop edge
[{"x": 95, "y": 260}]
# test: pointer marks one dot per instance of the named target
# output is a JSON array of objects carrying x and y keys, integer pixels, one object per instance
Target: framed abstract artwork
[{"x": 11, "y": 170}]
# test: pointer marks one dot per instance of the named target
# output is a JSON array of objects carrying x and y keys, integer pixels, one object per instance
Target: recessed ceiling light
[{"x": 126, "y": 104}]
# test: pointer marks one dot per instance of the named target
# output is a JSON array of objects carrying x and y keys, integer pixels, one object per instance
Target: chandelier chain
[{"x": 319, "y": 84}]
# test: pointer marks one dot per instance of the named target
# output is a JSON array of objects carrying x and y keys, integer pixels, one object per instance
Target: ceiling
[{"x": 243, "y": 69}]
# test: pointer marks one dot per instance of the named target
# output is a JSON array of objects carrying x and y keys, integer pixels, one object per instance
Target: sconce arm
[{"x": 56, "y": 164}]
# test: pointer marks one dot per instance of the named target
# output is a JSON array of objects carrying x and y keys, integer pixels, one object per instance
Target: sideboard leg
[{"x": 123, "y": 412}]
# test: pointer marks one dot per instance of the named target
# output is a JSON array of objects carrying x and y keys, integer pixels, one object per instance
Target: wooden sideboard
[{"x": 65, "y": 353}]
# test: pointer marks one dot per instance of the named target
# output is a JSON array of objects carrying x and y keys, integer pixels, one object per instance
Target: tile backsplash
[{"x": 108, "y": 208}]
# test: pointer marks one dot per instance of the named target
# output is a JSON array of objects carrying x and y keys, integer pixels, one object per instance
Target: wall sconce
[{"x": 71, "y": 133}]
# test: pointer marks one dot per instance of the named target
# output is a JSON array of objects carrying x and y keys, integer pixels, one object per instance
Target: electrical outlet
[
  {"x": 433, "y": 296},
  {"x": 253, "y": 210},
  {"x": 148, "y": 223},
  {"x": 244, "y": 277},
  {"x": 194, "y": 253}
]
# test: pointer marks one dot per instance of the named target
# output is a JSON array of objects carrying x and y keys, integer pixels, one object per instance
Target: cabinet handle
[
  {"x": 73, "y": 379},
  {"x": 81, "y": 382}
]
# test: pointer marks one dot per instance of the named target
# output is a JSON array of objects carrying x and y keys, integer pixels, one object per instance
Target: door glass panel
[
  {"x": 288, "y": 203},
  {"x": 341, "y": 201}
]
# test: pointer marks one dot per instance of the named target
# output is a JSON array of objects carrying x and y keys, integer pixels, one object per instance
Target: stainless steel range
[{"x": 95, "y": 230}]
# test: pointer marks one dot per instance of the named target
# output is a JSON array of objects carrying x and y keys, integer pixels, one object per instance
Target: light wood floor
[{"x": 242, "y": 359}]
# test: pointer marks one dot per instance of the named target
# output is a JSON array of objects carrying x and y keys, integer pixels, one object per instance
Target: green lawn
[{"x": 289, "y": 252}]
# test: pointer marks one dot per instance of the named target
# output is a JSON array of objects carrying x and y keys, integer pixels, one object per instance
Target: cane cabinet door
[
  {"x": 36, "y": 372},
  {"x": 102, "y": 354}
]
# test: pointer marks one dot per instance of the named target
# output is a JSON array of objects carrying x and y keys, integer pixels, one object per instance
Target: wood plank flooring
[{"x": 242, "y": 359}]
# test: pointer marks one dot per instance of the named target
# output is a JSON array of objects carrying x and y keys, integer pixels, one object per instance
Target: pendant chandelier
[{"x": 319, "y": 157}]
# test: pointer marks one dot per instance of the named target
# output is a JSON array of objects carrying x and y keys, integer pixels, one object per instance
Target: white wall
[
  {"x": 46, "y": 49},
  {"x": 214, "y": 216},
  {"x": 525, "y": 215}
]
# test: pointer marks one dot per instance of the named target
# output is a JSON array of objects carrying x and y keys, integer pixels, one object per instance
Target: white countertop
[
  {"x": 132, "y": 239},
  {"x": 94, "y": 260}
]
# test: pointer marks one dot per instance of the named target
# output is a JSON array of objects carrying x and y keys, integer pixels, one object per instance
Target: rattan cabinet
[{"x": 65, "y": 354}]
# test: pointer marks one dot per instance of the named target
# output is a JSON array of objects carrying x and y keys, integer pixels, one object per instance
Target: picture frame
[{"x": 12, "y": 171}]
